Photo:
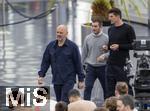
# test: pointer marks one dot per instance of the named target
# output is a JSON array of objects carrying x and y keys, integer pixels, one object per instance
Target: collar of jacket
[
  {"x": 97, "y": 35},
  {"x": 65, "y": 44}
]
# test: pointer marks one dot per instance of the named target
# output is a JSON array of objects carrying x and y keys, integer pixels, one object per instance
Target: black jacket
[{"x": 124, "y": 36}]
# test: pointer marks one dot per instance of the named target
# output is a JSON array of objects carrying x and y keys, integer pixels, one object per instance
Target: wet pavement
[{"x": 22, "y": 45}]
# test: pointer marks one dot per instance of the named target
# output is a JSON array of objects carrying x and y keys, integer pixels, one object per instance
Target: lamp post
[
  {"x": 148, "y": 13},
  {"x": 2, "y": 35},
  {"x": 3, "y": 22}
]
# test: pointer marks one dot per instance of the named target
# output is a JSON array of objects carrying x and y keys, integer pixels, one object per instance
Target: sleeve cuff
[{"x": 41, "y": 74}]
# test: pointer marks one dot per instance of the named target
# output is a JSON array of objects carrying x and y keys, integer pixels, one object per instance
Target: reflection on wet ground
[{"x": 22, "y": 45}]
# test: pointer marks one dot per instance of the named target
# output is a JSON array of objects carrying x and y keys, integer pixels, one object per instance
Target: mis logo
[{"x": 24, "y": 96}]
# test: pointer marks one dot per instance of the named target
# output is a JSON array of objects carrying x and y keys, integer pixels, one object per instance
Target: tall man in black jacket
[{"x": 121, "y": 36}]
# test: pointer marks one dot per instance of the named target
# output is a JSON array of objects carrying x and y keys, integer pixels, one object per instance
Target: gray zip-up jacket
[{"x": 92, "y": 48}]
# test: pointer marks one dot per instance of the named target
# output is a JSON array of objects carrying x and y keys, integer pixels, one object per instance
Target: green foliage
[
  {"x": 100, "y": 9},
  {"x": 134, "y": 4},
  {"x": 51, "y": 3}
]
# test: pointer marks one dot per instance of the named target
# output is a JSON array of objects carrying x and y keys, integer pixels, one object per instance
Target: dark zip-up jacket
[{"x": 65, "y": 62}]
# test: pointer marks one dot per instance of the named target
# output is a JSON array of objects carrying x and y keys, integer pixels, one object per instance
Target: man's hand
[
  {"x": 100, "y": 58},
  {"x": 81, "y": 85},
  {"x": 105, "y": 48},
  {"x": 40, "y": 80},
  {"x": 114, "y": 47}
]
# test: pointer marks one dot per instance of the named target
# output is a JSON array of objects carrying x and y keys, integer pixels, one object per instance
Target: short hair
[
  {"x": 127, "y": 100},
  {"x": 115, "y": 11},
  {"x": 97, "y": 20},
  {"x": 122, "y": 88},
  {"x": 61, "y": 106},
  {"x": 111, "y": 103},
  {"x": 101, "y": 109},
  {"x": 74, "y": 93}
]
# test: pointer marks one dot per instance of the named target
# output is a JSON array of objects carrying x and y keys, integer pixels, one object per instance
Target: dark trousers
[
  {"x": 61, "y": 91},
  {"x": 92, "y": 74},
  {"x": 116, "y": 73}
]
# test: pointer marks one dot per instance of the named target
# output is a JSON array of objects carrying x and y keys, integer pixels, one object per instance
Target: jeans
[
  {"x": 116, "y": 73},
  {"x": 61, "y": 91},
  {"x": 92, "y": 73}
]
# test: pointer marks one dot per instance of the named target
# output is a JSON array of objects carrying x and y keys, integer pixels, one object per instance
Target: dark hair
[
  {"x": 122, "y": 88},
  {"x": 74, "y": 93},
  {"x": 127, "y": 100},
  {"x": 115, "y": 11},
  {"x": 61, "y": 106},
  {"x": 101, "y": 109},
  {"x": 97, "y": 20}
]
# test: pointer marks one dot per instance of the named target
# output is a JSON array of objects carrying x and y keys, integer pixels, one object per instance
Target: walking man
[
  {"x": 64, "y": 58},
  {"x": 94, "y": 57},
  {"x": 121, "y": 36}
]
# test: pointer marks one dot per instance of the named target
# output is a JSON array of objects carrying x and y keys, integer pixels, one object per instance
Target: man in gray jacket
[{"x": 94, "y": 57}]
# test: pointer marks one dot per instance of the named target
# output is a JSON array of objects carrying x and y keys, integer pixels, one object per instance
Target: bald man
[{"x": 64, "y": 58}]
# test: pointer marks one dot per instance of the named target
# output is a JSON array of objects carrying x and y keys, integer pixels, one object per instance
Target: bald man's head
[
  {"x": 63, "y": 27},
  {"x": 61, "y": 33}
]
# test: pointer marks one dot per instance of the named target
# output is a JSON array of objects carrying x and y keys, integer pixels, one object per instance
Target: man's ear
[
  {"x": 128, "y": 108},
  {"x": 116, "y": 93}
]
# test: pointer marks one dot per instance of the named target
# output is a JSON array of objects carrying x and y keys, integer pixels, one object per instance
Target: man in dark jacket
[
  {"x": 121, "y": 36},
  {"x": 64, "y": 57}
]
